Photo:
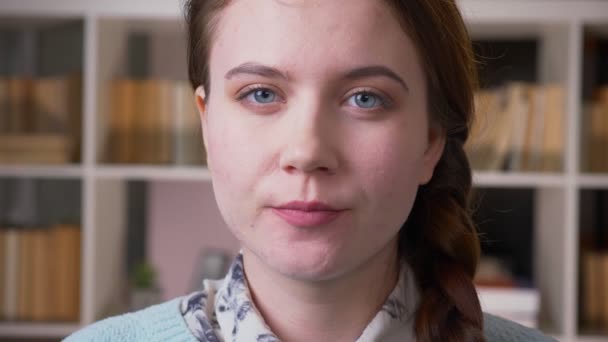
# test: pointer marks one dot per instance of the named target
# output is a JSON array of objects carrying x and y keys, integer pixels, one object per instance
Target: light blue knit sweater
[{"x": 164, "y": 322}]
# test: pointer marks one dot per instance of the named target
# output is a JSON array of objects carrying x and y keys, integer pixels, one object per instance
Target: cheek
[
  {"x": 227, "y": 164},
  {"x": 389, "y": 171},
  {"x": 391, "y": 156},
  {"x": 392, "y": 176},
  {"x": 235, "y": 156}
]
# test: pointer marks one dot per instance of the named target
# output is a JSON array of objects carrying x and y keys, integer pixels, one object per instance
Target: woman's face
[{"x": 317, "y": 131}]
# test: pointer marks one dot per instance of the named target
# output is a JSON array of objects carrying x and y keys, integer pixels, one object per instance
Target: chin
[{"x": 306, "y": 264}]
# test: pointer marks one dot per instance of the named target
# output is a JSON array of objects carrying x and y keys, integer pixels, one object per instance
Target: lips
[{"x": 307, "y": 214}]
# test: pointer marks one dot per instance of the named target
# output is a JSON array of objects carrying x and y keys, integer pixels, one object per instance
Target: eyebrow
[
  {"x": 255, "y": 69},
  {"x": 251, "y": 68},
  {"x": 376, "y": 70}
]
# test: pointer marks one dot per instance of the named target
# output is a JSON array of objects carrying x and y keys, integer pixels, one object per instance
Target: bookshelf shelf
[
  {"x": 557, "y": 27},
  {"x": 112, "y": 8},
  {"x": 533, "y": 11},
  {"x": 591, "y": 181},
  {"x": 34, "y": 330},
  {"x": 519, "y": 180},
  {"x": 41, "y": 171},
  {"x": 592, "y": 339},
  {"x": 152, "y": 173}
]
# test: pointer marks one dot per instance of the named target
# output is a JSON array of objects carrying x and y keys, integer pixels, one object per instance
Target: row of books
[
  {"x": 518, "y": 127},
  {"x": 594, "y": 289},
  {"x": 40, "y": 119},
  {"x": 153, "y": 122},
  {"x": 40, "y": 273},
  {"x": 595, "y": 141}
]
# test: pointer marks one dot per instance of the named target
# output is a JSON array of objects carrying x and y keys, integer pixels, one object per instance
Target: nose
[{"x": 309, "y": 146}]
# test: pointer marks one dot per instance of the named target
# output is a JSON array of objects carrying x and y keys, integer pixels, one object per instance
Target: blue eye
[
  {"x": 365, "y": 100},
  {"x": 262, "y": 95}
]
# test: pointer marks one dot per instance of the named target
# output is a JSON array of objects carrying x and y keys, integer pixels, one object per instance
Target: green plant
[{"x": 144, "y": 276}]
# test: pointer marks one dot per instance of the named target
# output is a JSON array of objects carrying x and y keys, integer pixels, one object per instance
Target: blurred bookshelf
[
  {"x": 537, "y": 147},
  {"x": 40, "y": 91},
  {"x": 40, "y": 263}
]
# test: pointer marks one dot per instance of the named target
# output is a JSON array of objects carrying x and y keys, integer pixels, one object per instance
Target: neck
[{"x": 299, "y": 310}]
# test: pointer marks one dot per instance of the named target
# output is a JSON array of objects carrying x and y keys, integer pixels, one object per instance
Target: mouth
[{"x": 307, "y": 214}]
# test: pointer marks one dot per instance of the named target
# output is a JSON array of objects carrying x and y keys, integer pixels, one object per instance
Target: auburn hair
[{"x": 439, "y": 240}]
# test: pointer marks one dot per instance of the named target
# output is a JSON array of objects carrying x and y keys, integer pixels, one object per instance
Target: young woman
[{"x": 334, "y": 132}]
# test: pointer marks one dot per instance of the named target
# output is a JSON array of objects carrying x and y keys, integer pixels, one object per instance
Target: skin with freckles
[{"x": 307, "y": 103}]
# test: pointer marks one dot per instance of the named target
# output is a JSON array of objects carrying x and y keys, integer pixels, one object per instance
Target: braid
[
  {"x": 439, "y": 240},
  {"x": 442, "y": 248}
]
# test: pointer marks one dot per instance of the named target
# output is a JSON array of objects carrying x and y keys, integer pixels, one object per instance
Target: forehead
[{"x": 311, "y": 35}]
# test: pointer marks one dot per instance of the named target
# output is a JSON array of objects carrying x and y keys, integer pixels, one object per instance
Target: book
[
  {"x": 594, "y": 112},
  {"x": 19, "y": 105},
  {"x": 34, "y": 149},
  {"x": 554, "y": 132},
  {"x": 66, "y": 248},
  {"x": 3, "y": 105},
  {"x": 503, "y": 131},
  {"x": 37, "y": 115},
  {"x": 481, "y": 146},
  {"x": 26, "y": 274},
  {"x": 525, "y": 150},
  {"x": 75, "y": 111},
  {"x": 57, "y": 103},
  {"x": 50, "y": 105},
  {"x": 154, "y": 120},
  {"x": 122, "y": 111},
  {"x": 592, "y": 292},
  {"x": 11, "y": 278},
  {"x": 2, "y": 269},
  {"x": 41, "y": 291},
  {"x": 602, "y": 142},
  {"x": 603, "y": 289},
  {"x": 533, "y": 142},
  {"x": 519, "y": 105}
]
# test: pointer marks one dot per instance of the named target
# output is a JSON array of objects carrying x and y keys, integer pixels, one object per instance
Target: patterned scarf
[{"x": 224, "y": 311}]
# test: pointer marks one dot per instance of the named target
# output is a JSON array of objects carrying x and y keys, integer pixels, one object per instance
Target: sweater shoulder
[
  {"x": 161, "y": 322},
  {"x": 498, "y": 329}
]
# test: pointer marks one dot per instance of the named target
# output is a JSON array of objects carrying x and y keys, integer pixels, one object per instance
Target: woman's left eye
[
  {"x": 365, "y": 100},
  {"x": 261, "y": 96}
]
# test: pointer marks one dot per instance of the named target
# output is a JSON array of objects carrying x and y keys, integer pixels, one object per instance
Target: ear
[
  {"x": 434, "y": 151},
  {"x": 201, "y": 105}
]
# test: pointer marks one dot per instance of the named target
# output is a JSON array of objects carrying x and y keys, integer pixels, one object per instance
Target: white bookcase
[{"x": 558, "y": 25}]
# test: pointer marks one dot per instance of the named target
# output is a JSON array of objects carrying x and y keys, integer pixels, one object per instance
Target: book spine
[
  {"x": 41, "y": 268},
  {"x": 553, "y": 137},
  {"x": 19, "y": 106},
  {"x": 119, "y": 149},
  {"x": 4, "y": 97},
  {"x": 2, "y": 270},
  {"x": 74, "y": 102},
  {"x": 592, "y": 309},
  {"x": 25, "y": 281},
  {"x": 11, "y": 288},
  {"x": 65, "y": 240}
]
